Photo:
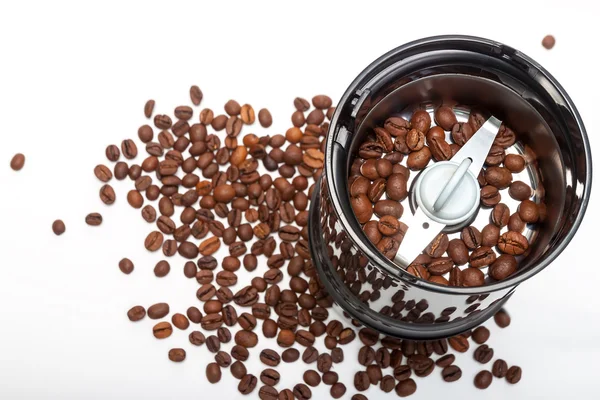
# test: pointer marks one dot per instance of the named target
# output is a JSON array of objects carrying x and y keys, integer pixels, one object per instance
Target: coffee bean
[
  {"x": 312, "y": 378},
  {"x": 444, "y": 116},
  {"x": 513, "y": 243},
  {"x": 107, "y": 194},
  {"x": 502, "y": 319},
  {"x": 290, "y": 355},
  {"x": 483, "y": 354},
  {"x": 361, "y": 381},
  {"x": 93, "y": 219},
  {"x": 126, "y": 266},
  {"x": 482, "y": 257},
  {"x": 440, "y": 149},
  {"x": 459, "y": 343},
  {"x": 246, "y": 338},
  {"x": 500, "y": 215},
  {"x": 330, "y": 378},
  {"x": 359, "y": 396},
  {"x": 418, "y": 160},
  {"x": 194, "y": 315},
  {"x": 112, "y": 153},
  {"x": 504, "y": 266},
  {"x": 177, "y": 355},
  {"x": 483, "y": 379},
  {"x": 238, "y": 369},
  {"x": 490, "y": 235},
  {"x": 58, "y": 227},
  {"x": 310, "y": 355},
  {"x": 213, "y": 372},
  {"x": 499, "y": 177},
  {"x": 445, "y": 361},
  {"x": 458, "y": 252},
  {"x": 136, "y": 313},
  {"x": 519, "y": 190},
  {"x": 461, "y": 133},
  {"x": 213, "y": 344},
  {"x": 548, "y": 42},
  {"x": 406, "y": 388},
  {"x": 209, "y": 246},
  {"x": 528, "y": 211},
  {"x": 268, "y": 393},
  {"x": 500, "y": 368},
  {"x": 471, "y": 237},
  {"x": 451, "y": 373},
  {"x": 515, "y": 163},
  {"x": 515, "y": 223},
  {"x": 490, "y": 196},
  {"x": 302, "y": 392},
  {"x": 162, "y": 330}
]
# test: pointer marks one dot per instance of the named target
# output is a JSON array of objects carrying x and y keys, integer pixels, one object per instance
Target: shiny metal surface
[{"x": 471, "y": 71}]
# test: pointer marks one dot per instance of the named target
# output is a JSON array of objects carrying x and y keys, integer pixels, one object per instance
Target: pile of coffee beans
[
  {"x": 201, "y": 189},
  {"x": 379, "y": 191}
]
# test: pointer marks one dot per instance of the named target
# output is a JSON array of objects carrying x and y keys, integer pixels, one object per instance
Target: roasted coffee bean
[
  {"x": 444, "y": 116},
  {"x": 461, "y": 133},
  {"x": 459, "y": 343},
  {"x": 107, "y": 194},
  {"x": 238, "y": 369},
  {"x": 162, "y": 330},
  {"x": 500, "y": 215},
  {"x": 346, "y": 336},
  {"x": 502, "y": 319},
  {"x": 302, "y": 392},
  {"x": 420, "y": 364},
  {"x": 490, "y": 235},
  {"x": 374, "y": 373},
  {"x": 490, "y": 196},
  {"x": 247, "y": 321},
  {"x": 136, "y": 313},
  {"x": 194, "y": 315},
  {"x": 440, "y": 149},
  {"x": 458, "y": 252},
  {"x": 212, "y": 322},
  {"x": 402, "y": 372},
  {"x": 268, "y": 393},
  {"x": 384, "y": 207},
  {"x": 515, "y": 223},
  {"x": 304, "y": 338},
  {"x": 483, "y": 380},
  {"x": 93, "y": 219},
  {"x": 337, "y": 355},
  {"x": 213, "y": 344},
  {"x": 471, "y": 237},
  {"x": 129, "y": 149},
  {"x": 223, "y": 359},
  {"x": 310, "y": 355},
  {"x": 213, "y": 372},
  {"x": 406, "y": 388},
  {"x": 515, "y": 163},
  {"x": 451, "y": 373},
  {"x": 499, "y": 177},
  {"x": 415, "y": 140},
  {"x": 368, "y": 336},
  {"x": 528, "y": 211},
  {"x": 445, "y": 360},
  {"x": 330, "y": 378},
  {"x": 361, "y": 381},
  {"x": 504, "y": 266},
  {"x": 482, "y": 257},
  {"x": 500, "y": 368},
  {"x": 324, "y": 362},
  {"x": 312, "y": 378},
  {"x": 126, "y": 266},
  {"x": 513, "y": 243},
  {"x": 158, "y": 310},
  {"x": 440, "y": 266},
  {"x": 246, "y": 339},
  {"x": 396, "y": 187},
  {"x": 519, "y": 190},
  {"x": 472, "y": 277},
  {"x": 112, "y": 154},
  {"x": 177, "y": 355},
  {"x": 269, "y": 377},
  {"x": 366, "y": 355},
  {"x": 438, "y": 246},
  {"x": 480, "y": 335},
  {"x": 418, "y": 160},
  {"x": 197, "y": 338},
  {"x": 483, "y": 354}
]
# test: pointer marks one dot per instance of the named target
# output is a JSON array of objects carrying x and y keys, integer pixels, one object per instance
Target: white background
[{"x": 74, "y": 77}]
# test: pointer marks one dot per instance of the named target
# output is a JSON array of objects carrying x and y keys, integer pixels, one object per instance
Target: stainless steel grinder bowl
[{"x": 373, "y": 290}]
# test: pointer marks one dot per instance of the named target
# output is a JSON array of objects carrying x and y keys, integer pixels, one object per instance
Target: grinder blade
[{"x": 447, "y": 193}]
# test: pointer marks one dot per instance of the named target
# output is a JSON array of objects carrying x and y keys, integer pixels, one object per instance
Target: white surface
[{"x": 74, "y": 78}]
